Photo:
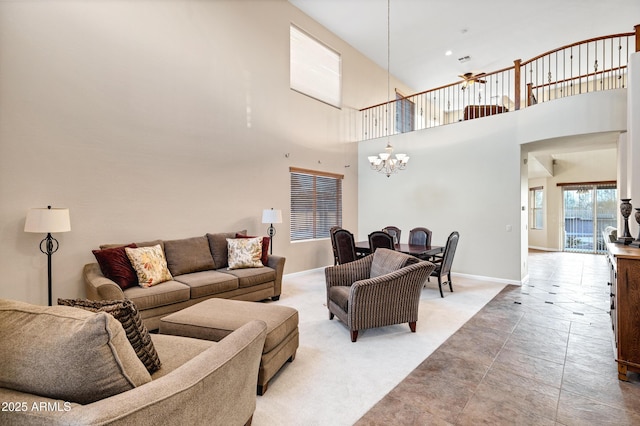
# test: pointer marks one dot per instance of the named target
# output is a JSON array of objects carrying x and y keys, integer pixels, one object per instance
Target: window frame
[
  {"x": 313, "y": 65},
  {"x": 533, "y": 222},
  {"x": 314, "y": 201}
]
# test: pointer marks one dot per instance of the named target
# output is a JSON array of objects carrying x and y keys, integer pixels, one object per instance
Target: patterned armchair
[{"x": 378, "y": 290}]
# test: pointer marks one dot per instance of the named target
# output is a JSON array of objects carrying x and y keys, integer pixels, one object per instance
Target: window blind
[{"x": 316, "y": 204}]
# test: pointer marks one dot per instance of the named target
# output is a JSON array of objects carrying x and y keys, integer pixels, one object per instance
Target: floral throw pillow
[
  {"x": 244, "y": 252},
  {"x": 150, "y": 265}
]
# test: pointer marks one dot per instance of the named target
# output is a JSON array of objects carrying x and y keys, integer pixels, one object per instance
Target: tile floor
[{"x": 539, "y": 354}]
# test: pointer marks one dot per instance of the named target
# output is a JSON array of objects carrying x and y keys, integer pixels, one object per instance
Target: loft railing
[{"x": 587, "y": 66}]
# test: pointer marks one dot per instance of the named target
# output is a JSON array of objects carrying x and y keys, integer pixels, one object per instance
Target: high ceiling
[{"x": 492, "y": 33}]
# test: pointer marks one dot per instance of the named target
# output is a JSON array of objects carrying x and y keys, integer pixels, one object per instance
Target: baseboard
[
  {"x": 483, "y": 278},
  {"x": 543, "y": 248},
  {"x": 306, "y": 271},
  {"x": 475, "y": 277}
]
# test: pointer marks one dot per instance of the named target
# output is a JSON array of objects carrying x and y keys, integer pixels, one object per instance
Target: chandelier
[{"x": 385, "y": 162}]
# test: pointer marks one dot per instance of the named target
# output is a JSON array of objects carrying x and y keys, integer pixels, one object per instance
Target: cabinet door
[{"x": 627, "y": 305}]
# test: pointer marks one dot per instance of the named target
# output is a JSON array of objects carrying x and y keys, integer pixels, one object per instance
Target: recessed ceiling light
[{"x": 448, "y": 53}]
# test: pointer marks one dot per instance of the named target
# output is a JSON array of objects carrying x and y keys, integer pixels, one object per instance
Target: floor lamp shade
[
  {"x": 48, "y": 221},
  {"x": 271, "y": 216}
]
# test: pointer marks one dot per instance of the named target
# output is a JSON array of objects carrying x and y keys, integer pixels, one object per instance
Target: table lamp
[
  {"x": 271, "y": 216},
  {"x": 49, "y": 220}
]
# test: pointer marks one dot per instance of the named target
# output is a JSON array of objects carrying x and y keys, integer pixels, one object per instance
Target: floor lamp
[
  {"x": 271, "y": 216},
  {"x": 40, "y": 220}
]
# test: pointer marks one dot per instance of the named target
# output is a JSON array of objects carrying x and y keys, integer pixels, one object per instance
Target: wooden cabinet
[{"x": 624, "y": 262}]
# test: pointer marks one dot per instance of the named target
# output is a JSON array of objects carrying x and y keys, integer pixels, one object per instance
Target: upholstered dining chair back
[
  {"x": 394, "y": 231},
  {"x": 333, "y": 243},
  {"x": 443, "y": 268},
  {"x": 380, "y": 239},
  {"x": 345, "y": 246},
  {"x": 420, "y": 236}
]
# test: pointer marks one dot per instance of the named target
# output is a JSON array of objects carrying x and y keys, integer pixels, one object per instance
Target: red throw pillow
[
  {"x": 265, "y": 247},
  {"x": 116, "y": 266}
]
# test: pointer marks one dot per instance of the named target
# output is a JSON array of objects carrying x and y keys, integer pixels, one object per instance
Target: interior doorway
[{"x": 587, "y": 209}]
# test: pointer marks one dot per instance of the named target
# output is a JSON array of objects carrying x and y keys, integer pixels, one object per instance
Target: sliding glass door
[{"x": 588, "y": 209}]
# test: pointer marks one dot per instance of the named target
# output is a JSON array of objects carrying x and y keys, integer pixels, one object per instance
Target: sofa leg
[
  {"x": 292, "y": 357},
  {"x": 412, "y": 326},
  {"x": 330, "y": 316},
  {"x": 354, "y": 335},
  {"x": 275, "y": 298},
  {"x": 262, "y": 389},
  {"x": 248, "y": 423}
]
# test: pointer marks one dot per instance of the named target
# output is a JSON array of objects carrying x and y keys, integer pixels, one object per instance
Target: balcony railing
[{"x": 583, "y": 67}]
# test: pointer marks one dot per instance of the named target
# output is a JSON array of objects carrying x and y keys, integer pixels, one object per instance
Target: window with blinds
[
  {"x": 316, "y": 203},
  {"x": 315, "y": 69}
]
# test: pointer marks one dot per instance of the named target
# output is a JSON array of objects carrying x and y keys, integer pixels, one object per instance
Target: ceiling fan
[{"x": 470, "y": 78}]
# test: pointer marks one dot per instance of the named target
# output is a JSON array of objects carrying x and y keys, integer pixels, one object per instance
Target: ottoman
[{"x": 214, "y": 319}]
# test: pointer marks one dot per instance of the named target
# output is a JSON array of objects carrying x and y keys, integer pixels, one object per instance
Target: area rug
[{"x": 333, "y": 381}]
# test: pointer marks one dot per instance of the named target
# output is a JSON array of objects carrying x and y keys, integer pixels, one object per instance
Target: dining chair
[
  {"x": 332, "y": 230},
  {"x": 443, "y": 268},
  {"x": 393, "y": 231},
  {"x": 380, "y": 239},
  {"x": 345, "y": 246},
  {"x": 420, "y": 236}
]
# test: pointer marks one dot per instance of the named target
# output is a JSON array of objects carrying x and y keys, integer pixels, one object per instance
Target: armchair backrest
[
  {"x": 345, "y": 246},
  {"x": 449, "y": 252},
  {"x": 385, "y": 261}
]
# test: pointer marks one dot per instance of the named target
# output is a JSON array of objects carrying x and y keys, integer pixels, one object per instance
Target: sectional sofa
[
  {"x": 63, "y": 365},
  {"x": 199, "y": 270}
]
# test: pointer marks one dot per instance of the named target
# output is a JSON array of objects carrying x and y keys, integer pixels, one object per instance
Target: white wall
[
  {"x": 160, "y": 120},
  {"x": 467, "y": 177}
]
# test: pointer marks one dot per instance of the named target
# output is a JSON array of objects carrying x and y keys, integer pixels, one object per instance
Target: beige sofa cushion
[
  {"x": 66, "y": 353},
  {"x": 188, "y": 255},
  {"x": 205, "y": 283},
  {"x": 218, "y": 247},
  {"x": 166, "y": 293}
]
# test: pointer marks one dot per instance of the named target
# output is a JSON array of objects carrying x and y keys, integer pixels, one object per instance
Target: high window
[
  {"x": 316, "y": 203},
  {"x": 536, "y": 202},
  {"x": 405, "y": 114},
  {"x": 315, "y": 69}
]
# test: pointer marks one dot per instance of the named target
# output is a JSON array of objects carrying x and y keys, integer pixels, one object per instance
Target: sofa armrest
[
  {"x": 99, "y": 287},
  {"x": 277, "y": 263},
  {"x": 217, "y": 387}
]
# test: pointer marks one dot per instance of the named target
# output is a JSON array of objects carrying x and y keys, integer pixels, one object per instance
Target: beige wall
[{"x": 152, "y": 119}]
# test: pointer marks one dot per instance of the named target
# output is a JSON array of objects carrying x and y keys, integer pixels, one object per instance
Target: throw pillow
[
  {"x": 116, "y": 266},
  {"x": 244, "y": 252},
  {"x": 150, "y": 265},
  {"x": 66, "y": 353},
  {"x": 265, "y": 247},
  {"x": 124, "y": 311}
]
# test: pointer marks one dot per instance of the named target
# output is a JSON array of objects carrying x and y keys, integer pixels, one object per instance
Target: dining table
[{"x": 412, "y": 249}]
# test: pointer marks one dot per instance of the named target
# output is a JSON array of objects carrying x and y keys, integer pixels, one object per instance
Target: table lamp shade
[
  {"x": 47, "y": 220},
  {"x": 271, "y": 216}
]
